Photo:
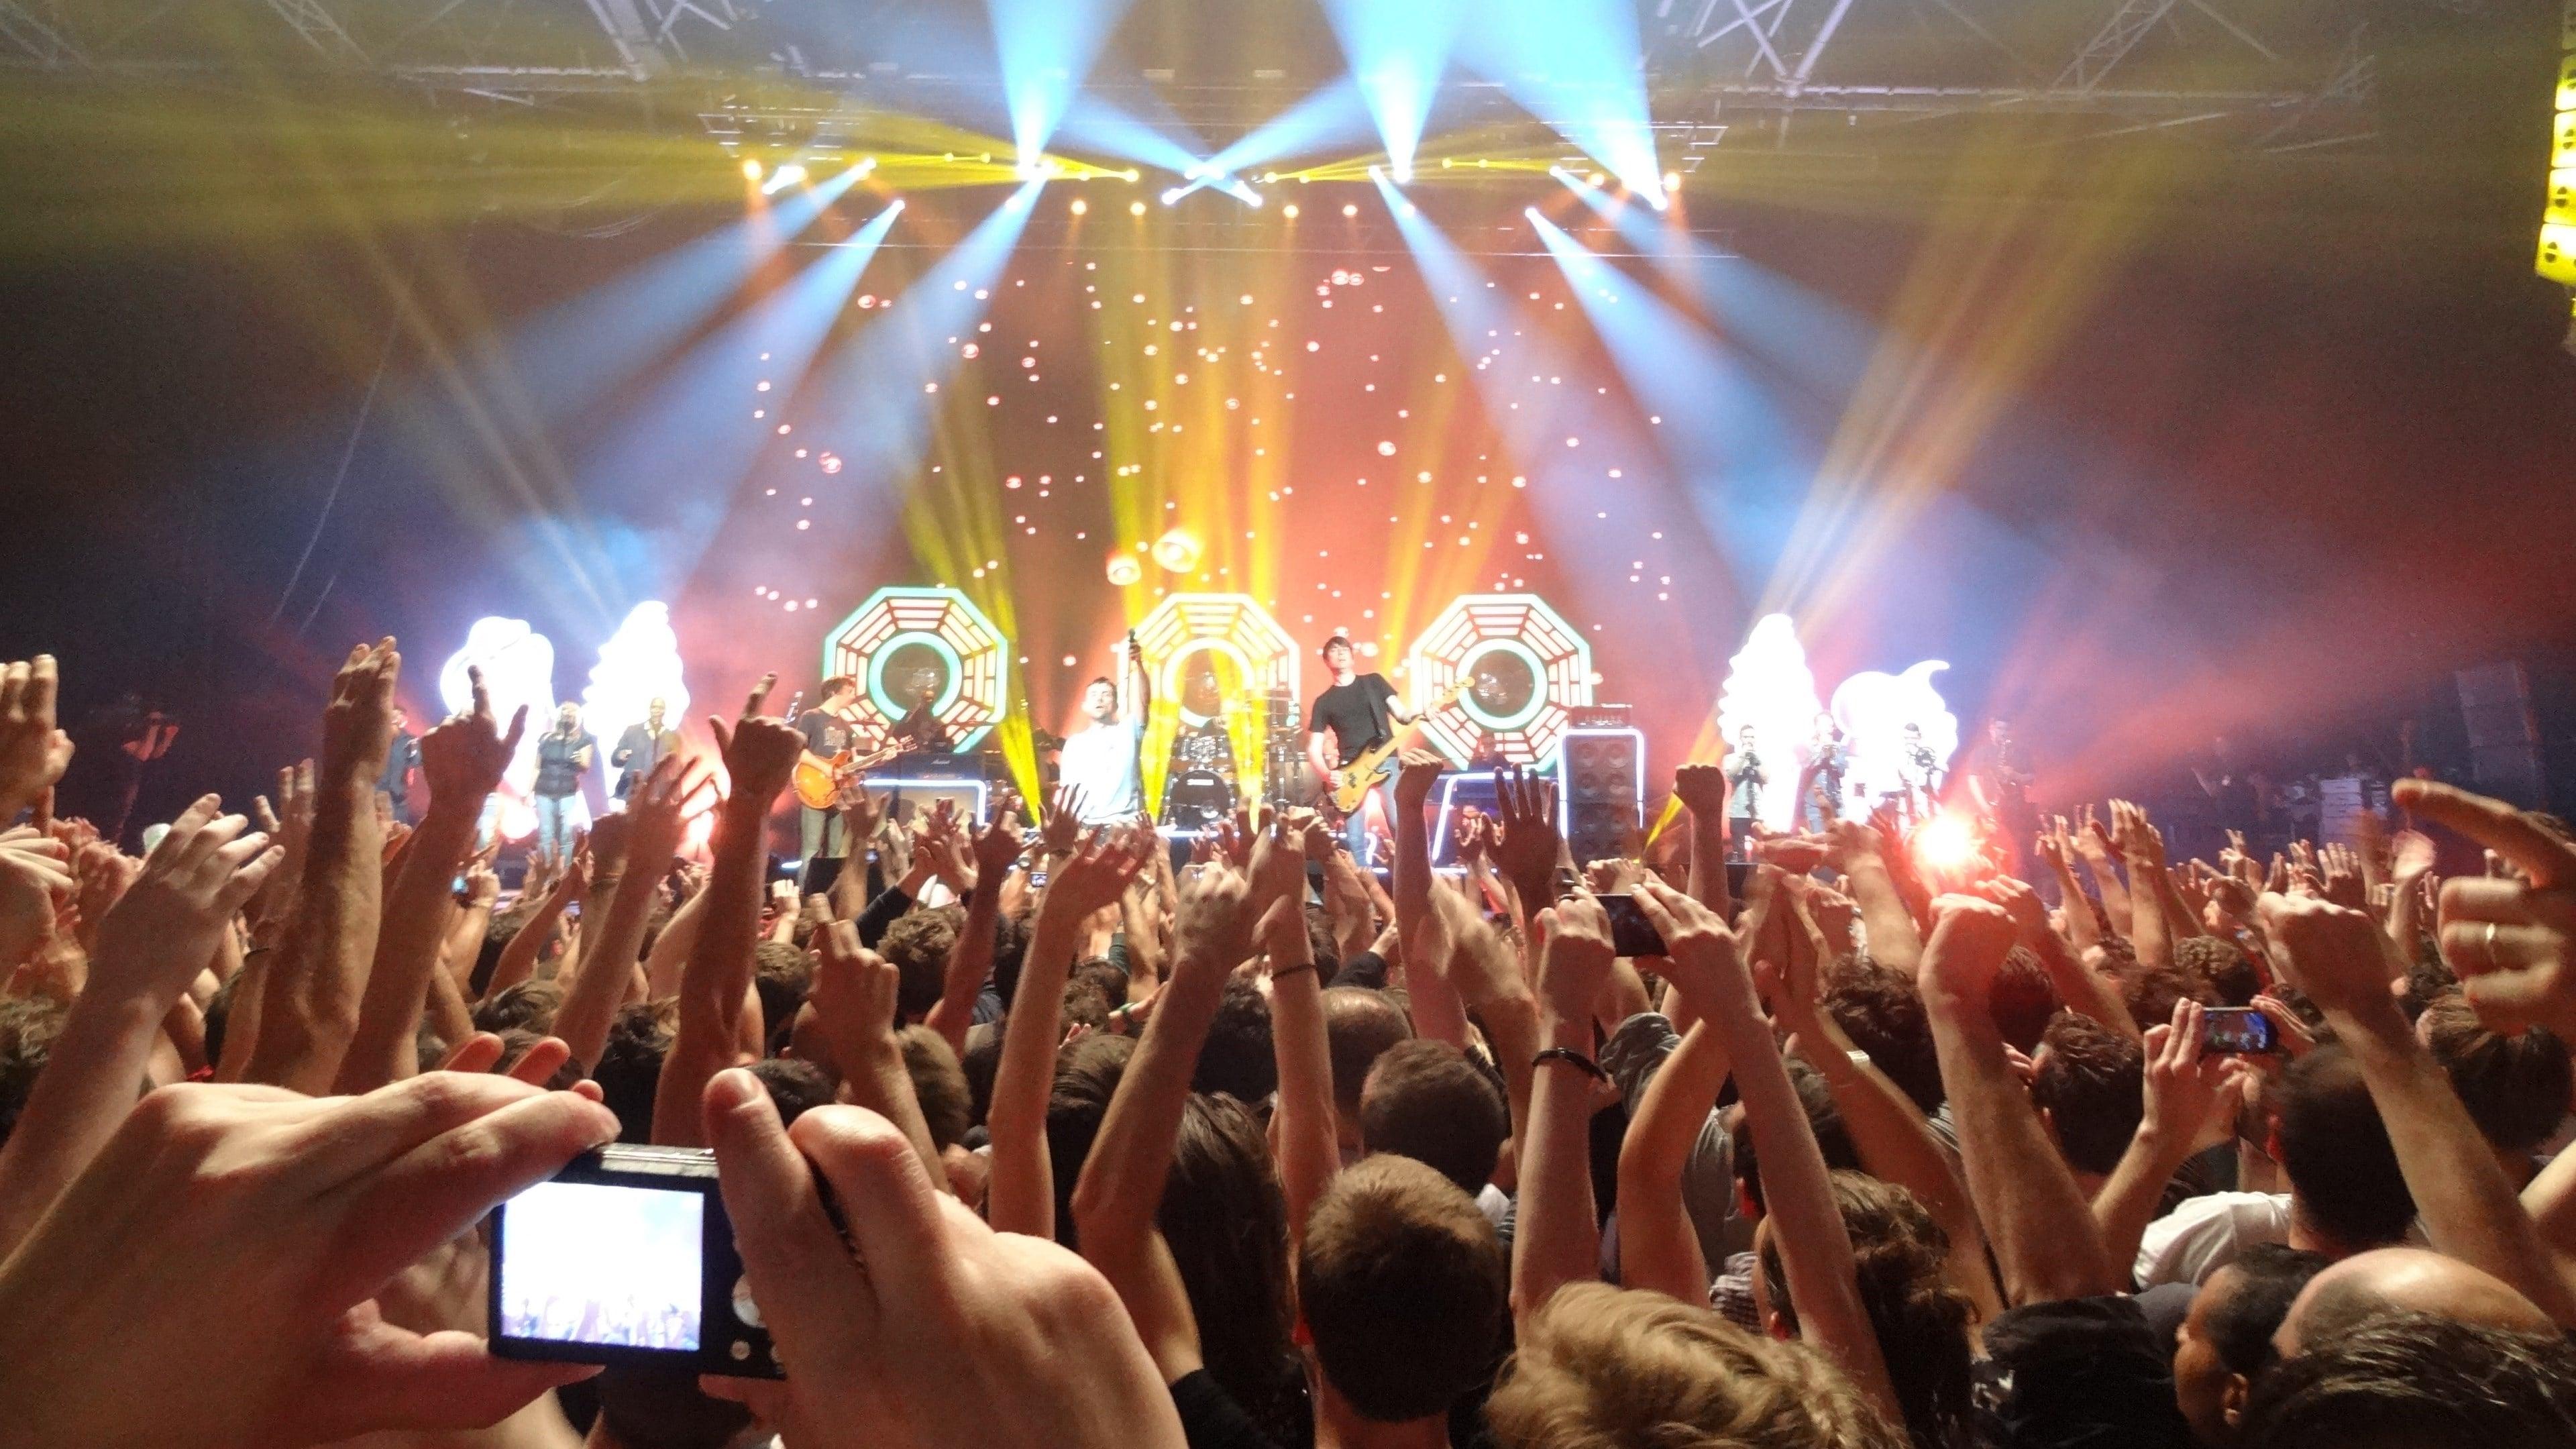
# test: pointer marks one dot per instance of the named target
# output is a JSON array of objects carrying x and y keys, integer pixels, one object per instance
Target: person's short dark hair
[
  {"x": 2091, "y": 1081},
  {"x": 938, "y": 1084},
  {"x": 796, "y": 1085},
  {"x": 1899, "y": 1257},
  {"x": 781, "y": 974},
  {"x": 2021, "y": 999},
  {"x": 1319, "y": 939},
  {"x": 528, "y": 1005},
  {"x": 1824, "y": 1119},
  {"x": 836, "y": 684},
  {"x": 1010, "y": 950},
  {"x": 1098, "y": 680},
  {"x": 1087, "y": 1073},
  {"x": 2219, "y": 970},
  {"x": 2263, "y": 1282},
  {"x": 1103, "y": 975},
  {"x": 917, "y": 945},
  {"x": 219, "y": 1015},
  {"x": 1404, "y": 1285},
  {"x": 2152, "y": 992},
  {"x": 630, "y": 1064},
  {"x": 1426, "y": 1101},
  {"x": 981, "y": 1063},
  {"x": 498, "y": 932},
  {"x": 2416, "y": 1381},
  {"x": 1083, "y": 1006},
  {"x": 1878, "y": 1008},
  {"x": 2336, "y": 1151},
  {"x": 2516, "y": 1087},
  {"x": 28, "y": 1026},
  {"x": 1340, "y": 641},
  {"x": 514, "y": 1045},
  {"x": 1237, "y": 1057},
  {"x": 1360, "y": 1025}
]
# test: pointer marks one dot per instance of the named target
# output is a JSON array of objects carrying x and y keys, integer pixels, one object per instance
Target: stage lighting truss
[
  {"x": 1526, "y": 668},
  {"x": 904, "y": 637},
  {"x": 1231, "y": 635},
  {"x": 2557, "y": 259}
]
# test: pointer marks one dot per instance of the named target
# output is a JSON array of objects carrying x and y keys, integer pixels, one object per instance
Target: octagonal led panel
[
  {"x": 904, "y": 639},
  {"x": 1527, "y": 668}
]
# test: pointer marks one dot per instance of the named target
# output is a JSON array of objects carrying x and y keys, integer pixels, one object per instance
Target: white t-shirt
[
  {"x": 1101, "y": 762},
  {"x": 2207, "y": 1233}
]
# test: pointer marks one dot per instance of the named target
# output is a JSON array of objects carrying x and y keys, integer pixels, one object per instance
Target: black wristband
[{"x": 1570, "y": 1057}]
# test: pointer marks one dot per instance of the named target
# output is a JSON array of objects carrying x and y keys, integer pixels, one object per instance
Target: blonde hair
[{"x": 1603, "y": 1368}]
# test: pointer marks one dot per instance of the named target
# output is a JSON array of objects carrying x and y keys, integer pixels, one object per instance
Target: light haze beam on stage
[
  {"x": 575, "y": 355},
  {"x": 1725, "y": 437},
  {"x": 681, "y": 452},
  {"x": 1330, "y": 116},
  {"x": 1047, "y": 48},
  {"x": 1398, "y": 51},
  {"x": 1097, "y": 125},
  {"x": 1574, "y": 64}
]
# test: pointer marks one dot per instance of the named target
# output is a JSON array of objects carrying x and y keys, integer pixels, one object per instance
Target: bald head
[{"x": 2403, "y": 1280}]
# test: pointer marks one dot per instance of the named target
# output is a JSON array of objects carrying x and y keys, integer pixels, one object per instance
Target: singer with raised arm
[
  {"x": 1356, "y": 716},
  {"x": 1099, "y": 760}
]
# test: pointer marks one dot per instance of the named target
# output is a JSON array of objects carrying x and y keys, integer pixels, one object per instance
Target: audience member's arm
[
  {"x": 467, "y": 929},
  {"x": 1806, "y": 1226},
  {"x": 2467, "y": 1205},
  {"x": 2081, "y": 929},
  {"x": 1558, "y": 1237},
  {"x": 1121, "y": 1190},
  {"x": 320, "y": 971},
  {"x": 1658, "y": 1247},
  {"x": 151, "y": 944},
  {"x": 2183, "y": 1089},
  {"x": 2094, "y": 844},
  {"x": 2035, "y": 1216},
  {"x": 1021, "y": 1196},
  {"x": 1895, "y": 1141},
  {"x": 518, "y": 959},
  {"x": 854, "y": 996},
  {"x": 2149, "y": 929},
  {"x": 970, "y": 958},
  {"x": 1433, "y": 1002},
  {"x": 2085, "y": 992},
  {"x": 33, "y": 753},
  {"x": 1893, "y": 938},
  {"x": 679, "y": 936},
  {"x": 1487, "y": 975},
  {"x": 461, "y": 760},
  {"x": 760, "y": 755},
  {"x": 1529, "y": 851},
  {"x": 1702, "y": 789},
  {"x": 651, "y": 826},
  {"x": 1303, "y": 1126}
]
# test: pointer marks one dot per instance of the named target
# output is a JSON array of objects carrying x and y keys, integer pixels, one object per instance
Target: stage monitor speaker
[
  {"x": 1601, "y": 777},
  {"x": 2504, "y": 735}
]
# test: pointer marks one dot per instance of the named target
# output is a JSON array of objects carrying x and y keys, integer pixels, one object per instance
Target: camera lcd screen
[
  {"x": 2237, "y": 1030},
  {"x": 611, "y": 1266}
]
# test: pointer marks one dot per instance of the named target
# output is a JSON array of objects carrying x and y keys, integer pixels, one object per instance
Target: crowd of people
[{"x": 1031, "y": 1135}]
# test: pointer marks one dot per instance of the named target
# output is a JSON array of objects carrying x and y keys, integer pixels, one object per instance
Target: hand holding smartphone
[
  {"x": 2236, "y": 1031},
  {"x": 1631, "y": 934}
]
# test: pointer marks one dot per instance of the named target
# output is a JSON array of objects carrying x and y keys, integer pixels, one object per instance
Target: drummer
[{"x": 1201, "y": 777}]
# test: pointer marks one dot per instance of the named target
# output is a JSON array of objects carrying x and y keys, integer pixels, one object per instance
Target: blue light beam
[
  {"x": 1398, "y": 50},
  {"x": 1047, "y": 48},
  {"x": 1576, "y": 65}
]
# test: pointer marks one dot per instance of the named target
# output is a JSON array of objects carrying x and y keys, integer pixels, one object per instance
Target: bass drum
[{"x": 1197, "y": 800}]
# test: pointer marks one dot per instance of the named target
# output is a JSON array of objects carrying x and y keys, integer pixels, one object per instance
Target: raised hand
[
  {"x": 2019, "y": 901},
  {"x": 2513, "y": 942},
  {"x": 33, "y": 753},
  {"x": 1094, "y": 876},
  {"x": 2184, "y": 1086},
  {"x": 2335, "y": 954},
  {"x": 760, "y": 752},
  {"x": 322, "y": 1201},
  {"x": 1575, "y": 956},
  {"x": 466, "y": 755},
  {"x": 1528, "y": 848},
  {"x": 165, "y": 927},
  {"x": 1701, "y": 957},
  {"x": 358, "y": 724},
  {"x": 1419, "y": 770},
  {"x": 996, "y": 846},
  {"x": 2410, "y": 855},
  {"x": 1063, "y": 823},
  {"x": 951, "y": 1333},
  {"x": 1220, "y": 913},
  {"x": 1970, "y": 938},
  {"x": 854, "y": 996},
  {"x": 1702, "y": 789},
  {"x": 32, "y": 877}
]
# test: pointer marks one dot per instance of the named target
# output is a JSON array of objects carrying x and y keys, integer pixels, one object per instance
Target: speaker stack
[{"x": 1601, "y": 783}]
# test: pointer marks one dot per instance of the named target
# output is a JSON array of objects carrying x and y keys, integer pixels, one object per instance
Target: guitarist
[
  {"x": 828, "y": 730},
  {"x": 1359, "y": 712}
]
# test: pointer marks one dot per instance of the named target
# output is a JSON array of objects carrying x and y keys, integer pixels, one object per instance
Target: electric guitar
[
  {"x": 818, "y": 788},
  {"x": 1349, "y": 786}
]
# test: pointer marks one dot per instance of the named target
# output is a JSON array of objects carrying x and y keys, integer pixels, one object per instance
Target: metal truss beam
[
  {"x": 2118, "y": 36},
  {"x": 50, "y": 46},
  {"x": 319, "y": 28}
]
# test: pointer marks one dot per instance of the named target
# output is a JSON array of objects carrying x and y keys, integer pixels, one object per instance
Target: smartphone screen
[
  {"x": 2235, "y": 1031},
  {"x": 1631, "y": 934},
  {"x": 603, "y": 1265}
]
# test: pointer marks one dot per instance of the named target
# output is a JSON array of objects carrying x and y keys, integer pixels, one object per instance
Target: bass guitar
[
  {"x": 1349, "y": 786},
  {"x": 819, "y": 788}
]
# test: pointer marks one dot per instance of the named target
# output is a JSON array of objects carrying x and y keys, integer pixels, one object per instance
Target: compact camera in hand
[{"x": 626, "y": 1256}]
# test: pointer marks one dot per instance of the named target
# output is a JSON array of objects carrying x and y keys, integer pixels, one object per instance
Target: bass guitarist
[{"x": 1358, "y": 713}]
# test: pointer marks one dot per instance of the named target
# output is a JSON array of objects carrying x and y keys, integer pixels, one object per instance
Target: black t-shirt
[
  {"x": 1211, "y": 1419},
  {"x": 1355, "y": 713},
  {"x": 2085, "y": 1372}
]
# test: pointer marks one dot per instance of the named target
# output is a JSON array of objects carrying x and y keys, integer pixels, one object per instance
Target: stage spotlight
[
  {"x": 1404, "y": 173},
  {"x": 1946, "y": 844},
  {"x": 1079, "y": 206},
  {"x": 1672, "y": 181},
  {"x": 1124, "y": 571},
  {"x": 1135, "y": 208},
  {"x": 1350, "y": 208},
  {"x": 1177, "y": 551},
  {"x": 1132, "y": 174},
  {"x": 1174, "y": 194},
  {"x": 1289, "y": 211},
  {"x": 751, "y": 168},
  {"x": 782, "y": 178}
]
